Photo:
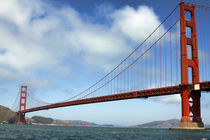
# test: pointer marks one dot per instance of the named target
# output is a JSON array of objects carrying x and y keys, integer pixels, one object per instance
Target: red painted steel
[
  {"x": 129, "y": 95},
  {"x": 22, "y": 105},
  {"x": 184, "y": 68},
  {"x": 193, "y": 63}
]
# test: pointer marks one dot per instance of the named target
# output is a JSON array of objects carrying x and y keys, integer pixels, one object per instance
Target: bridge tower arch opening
[
  {"x": 190, "y": 99},
  {"x": 22, "y": 105}
]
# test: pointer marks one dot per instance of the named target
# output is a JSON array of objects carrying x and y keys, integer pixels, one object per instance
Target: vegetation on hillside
[
  {"x": 43, "y": 120},
  {"x": 7, "y": 115}
]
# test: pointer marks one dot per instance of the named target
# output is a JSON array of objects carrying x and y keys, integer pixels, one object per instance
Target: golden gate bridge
[{"x": 173, "y": 59}]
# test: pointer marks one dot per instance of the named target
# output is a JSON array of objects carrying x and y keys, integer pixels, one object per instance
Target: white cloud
[
  {"x": 37, "y": 37},
  {"x": 203, "y": 55},
  {"x": 169, "y": 99},
  {"x": 135, "y": 24},
  {"x": 37, "y": 83}
]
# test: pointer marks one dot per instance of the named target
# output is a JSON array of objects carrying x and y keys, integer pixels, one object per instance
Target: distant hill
[
  {"x": 159, "y": 124},
  {"x": 207, "y": 126},
  {"x": 49, "y": 121},
  {"x": 39, "y": 120},
  {"x": 7, "y": 115},
  {"x": 43, "y": 120},
  {"x": 79, "y": 123}
]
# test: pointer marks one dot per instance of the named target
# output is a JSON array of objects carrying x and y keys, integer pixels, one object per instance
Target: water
[{"x": 31, "y": 132}]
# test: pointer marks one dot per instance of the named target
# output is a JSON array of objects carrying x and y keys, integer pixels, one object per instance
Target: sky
[{"x": 60, "y": 47}]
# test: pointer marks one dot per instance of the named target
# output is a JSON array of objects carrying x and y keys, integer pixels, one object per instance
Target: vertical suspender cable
[
  {"x": 208, "y": 45},
  {"x": 176, "y": 54},
  {"x": 151, "y": 69},
  {"x": 204, "y": 46},
  {"x": 165, "y": 62},
  {"x": 171, "y": 57},
  {"x": 160, "y": 59},
  {"x": 155, "y": 63},
  {"x": 201, "y": 46}
]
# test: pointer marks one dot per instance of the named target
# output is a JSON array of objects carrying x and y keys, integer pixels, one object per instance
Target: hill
[
  {"x": 79, "y": 123},
  {"x": 39, "y": 120},
  {"x": 7, "y": 115},
  {"x": 43, "y": 120},
  {"x": 159, "y": 124},
  {"x": 207, "y": 126}
]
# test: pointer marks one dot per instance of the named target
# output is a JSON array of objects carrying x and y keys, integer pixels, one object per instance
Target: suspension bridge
[{"x": 173, "y": 59}]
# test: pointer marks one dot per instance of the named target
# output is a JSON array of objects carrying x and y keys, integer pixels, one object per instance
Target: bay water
[{"x": 35, "y": 132}]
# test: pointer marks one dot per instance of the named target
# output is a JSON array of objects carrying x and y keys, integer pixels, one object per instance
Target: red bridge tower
[
  {"x": 23, "y": 96},
  {"x": 191, "y": 116}
]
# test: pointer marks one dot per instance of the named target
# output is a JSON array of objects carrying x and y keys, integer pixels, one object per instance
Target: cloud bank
[{"x": 39, "y": 41}]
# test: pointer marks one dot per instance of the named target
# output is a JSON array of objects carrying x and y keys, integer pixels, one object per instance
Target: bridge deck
[{"x": 204, "y": 86}]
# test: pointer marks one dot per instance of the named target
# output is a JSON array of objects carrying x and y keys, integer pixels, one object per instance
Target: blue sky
[{"x": 61, "y": 47}]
